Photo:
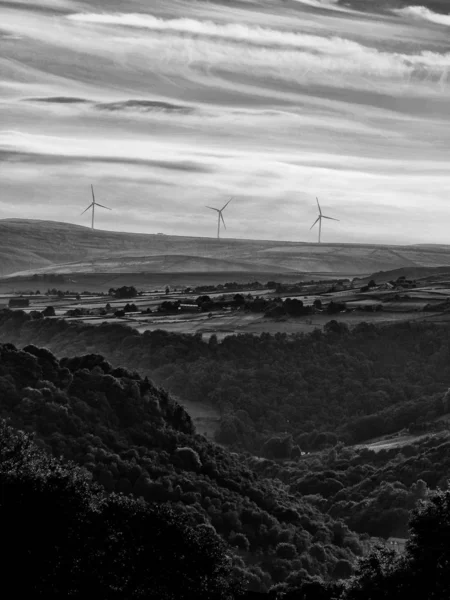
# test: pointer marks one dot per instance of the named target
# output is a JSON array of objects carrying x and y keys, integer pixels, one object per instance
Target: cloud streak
[
  {"x": 58, "y": 100},
  {"x": 49, "y": 159},
  {"x": 279, "y": 53},
  {"x": 145, "y": 106},
  {"x": 324, "y": 4},
  {"x": 202, "y": 52},
  {"x": 421, "y": 12}
]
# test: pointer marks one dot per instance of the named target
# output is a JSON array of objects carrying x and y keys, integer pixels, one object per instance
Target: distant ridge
[
  {"x": 32, "y": 246},
  {"x": 417, "y": 273}
]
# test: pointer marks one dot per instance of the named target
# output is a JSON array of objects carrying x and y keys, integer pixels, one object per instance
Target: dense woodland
[
  {"x": 133, "y": 474},
  {"x": 318, "y": 389}
]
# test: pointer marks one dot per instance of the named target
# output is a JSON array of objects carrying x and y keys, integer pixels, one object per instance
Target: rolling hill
[{"x": 31, "y": 246}]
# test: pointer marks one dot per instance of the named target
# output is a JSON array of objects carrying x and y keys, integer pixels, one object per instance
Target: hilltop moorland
[{"x": 53, "y": 247}]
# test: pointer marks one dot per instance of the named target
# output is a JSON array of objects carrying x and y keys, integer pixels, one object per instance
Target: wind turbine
[
  {"x": 319, "y": 218},
  {"x": 93, "y": 205},
  {"x": 220, "y": 216}
]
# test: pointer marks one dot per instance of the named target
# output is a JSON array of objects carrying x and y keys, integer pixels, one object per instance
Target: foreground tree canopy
[{"x": 71, "y": 540}]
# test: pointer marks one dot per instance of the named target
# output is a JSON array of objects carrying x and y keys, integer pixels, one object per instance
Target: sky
[{"x": 175, "y": 104}]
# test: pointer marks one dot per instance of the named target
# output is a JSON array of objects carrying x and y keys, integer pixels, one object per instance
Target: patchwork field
[{"x": 89, "y": 295}]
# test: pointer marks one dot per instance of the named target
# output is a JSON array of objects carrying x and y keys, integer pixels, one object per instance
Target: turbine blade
[
  {"x": 87, "y": 208},
  {"x": 221, "y": 216},
  {"x": 93, "y": 197},
  {"x": 318, "y": 205},
  {"x": 227, "y": 204},
  {"x": 331, "y": 218},
  {"x": 318, "y": 219},
  {"x": 107, "y": 207},
  {"x": 216, "y": 209}
]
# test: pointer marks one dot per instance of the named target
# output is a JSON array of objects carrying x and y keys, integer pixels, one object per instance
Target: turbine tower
[
  {"x": 319, "y": 218},
  {"x": 93, "y": 205},
  {"x": 220, "y": 216}
]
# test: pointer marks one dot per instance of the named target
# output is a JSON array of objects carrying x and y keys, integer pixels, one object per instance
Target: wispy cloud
[
  {"x": 280, "y": 54},
  {"x": 46, "y": 4},
  {"x": 130, "y": 105},
  {"x": 50, "y": 159},
  {"x": 17, "y": 145},
  {"x": 202, "y": 51},
  {"x": 330, "y": 5},
  {"x": 236, "y": 32},
  {"x": 421, "y": 12}
]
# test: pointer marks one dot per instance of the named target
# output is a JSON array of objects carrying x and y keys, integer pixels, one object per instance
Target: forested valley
[
  {"x": 320, "y": 388},
  {"x": 255, "y": 509}
]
